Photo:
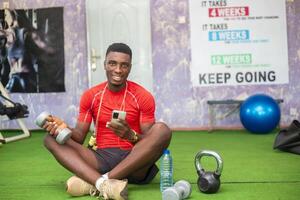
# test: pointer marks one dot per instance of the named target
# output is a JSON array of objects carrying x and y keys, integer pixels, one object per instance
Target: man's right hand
[{"x": 54, "y": 124}]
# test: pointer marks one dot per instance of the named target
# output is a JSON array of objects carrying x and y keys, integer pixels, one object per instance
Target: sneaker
[
  {"x": 114, "y": 189},
  {"x": 75, "y": 186}
]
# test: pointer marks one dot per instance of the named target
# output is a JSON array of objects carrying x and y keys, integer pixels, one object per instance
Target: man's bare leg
[
  {"x": 74, "y": 157},
  {"x": 144, "y": 154},
  {"x": 83, "y": 163}
]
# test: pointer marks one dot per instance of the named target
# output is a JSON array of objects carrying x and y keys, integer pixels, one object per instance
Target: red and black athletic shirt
[{"x": 139, "y": 105}]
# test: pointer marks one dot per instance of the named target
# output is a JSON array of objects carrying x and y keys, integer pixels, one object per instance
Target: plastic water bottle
[{"x": 166, "y": 170}]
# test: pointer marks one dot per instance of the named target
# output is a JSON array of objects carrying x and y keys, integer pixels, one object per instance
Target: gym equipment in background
[
  {"x": 14, "y": 111},
  {"x": 260, "y": 114},
  {"x": 63, "y": 134},
  {"x": 208, "y": 182},
  {"x": 181, "y": 190}
]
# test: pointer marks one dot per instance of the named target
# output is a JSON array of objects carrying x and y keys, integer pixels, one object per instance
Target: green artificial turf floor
[{"x": 252, "y": 169}]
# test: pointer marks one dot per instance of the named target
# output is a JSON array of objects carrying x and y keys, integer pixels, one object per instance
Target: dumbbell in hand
[
  {"x": 63, "y": 134},
  {"x": 181, "y": 190}
]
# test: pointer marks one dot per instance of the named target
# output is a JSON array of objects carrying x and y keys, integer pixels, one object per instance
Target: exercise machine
[{"x": 14, "y": 111}]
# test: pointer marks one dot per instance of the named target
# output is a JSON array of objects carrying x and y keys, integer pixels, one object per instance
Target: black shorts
[{"x": 108, "y": 158}]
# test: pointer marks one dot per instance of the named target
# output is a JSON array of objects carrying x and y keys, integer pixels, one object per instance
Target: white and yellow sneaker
[
  {"x": 109, "y": 189},
  {"x": 114, "y": 189},
  {"x": 78, "y": 187}
]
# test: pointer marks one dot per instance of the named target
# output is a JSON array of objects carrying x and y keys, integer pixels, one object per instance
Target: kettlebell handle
[{"x": 214, "y": 154}]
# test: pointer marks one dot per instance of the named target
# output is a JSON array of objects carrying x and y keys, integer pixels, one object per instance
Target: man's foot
[
  {"x": 114, "y": 189},
  {"x": 78, "y": 187}
]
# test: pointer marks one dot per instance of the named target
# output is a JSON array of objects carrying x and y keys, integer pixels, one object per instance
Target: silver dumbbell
[
  {"x": 63, "y": 134},
  {"x": 181, "y": 190}
]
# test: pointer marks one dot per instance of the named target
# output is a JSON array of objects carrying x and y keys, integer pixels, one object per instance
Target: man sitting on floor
[{"x": 126, "y": 149}]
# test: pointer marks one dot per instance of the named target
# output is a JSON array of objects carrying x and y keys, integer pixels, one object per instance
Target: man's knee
[
  {"x": 49, "y": 142},
  {"x": 162, "y": 131}
]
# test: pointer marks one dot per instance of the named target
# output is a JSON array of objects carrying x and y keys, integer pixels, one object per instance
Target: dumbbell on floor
[
  {"x": 181, "y": 190},
  {"x": 63, "y": 134}
]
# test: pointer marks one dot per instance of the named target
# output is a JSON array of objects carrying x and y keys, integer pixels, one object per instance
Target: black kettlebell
[{"x": 208, "y": 182}]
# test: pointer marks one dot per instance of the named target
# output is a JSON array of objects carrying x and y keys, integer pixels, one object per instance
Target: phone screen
[{"x": 118, "y": 114}]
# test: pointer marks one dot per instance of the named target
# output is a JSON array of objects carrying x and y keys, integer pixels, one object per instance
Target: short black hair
[{"x": 119, "y": 47}]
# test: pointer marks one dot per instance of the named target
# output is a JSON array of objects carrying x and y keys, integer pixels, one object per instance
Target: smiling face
[{"x": 117, "y": 66}]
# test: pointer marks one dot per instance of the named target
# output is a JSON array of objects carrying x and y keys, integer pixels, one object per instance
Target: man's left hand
[{"x": 121, "y": 129}]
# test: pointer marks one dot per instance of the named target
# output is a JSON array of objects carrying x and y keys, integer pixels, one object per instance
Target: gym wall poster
[
  {"x": 32, "y": 50},
  {"x": 236, "y": 42}
]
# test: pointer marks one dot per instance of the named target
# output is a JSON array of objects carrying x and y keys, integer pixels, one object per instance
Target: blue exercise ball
[{"x": 260, "y": 114}]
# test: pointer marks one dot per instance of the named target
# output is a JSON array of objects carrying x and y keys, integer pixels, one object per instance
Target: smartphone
[{"x": 117, "y": 114}]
